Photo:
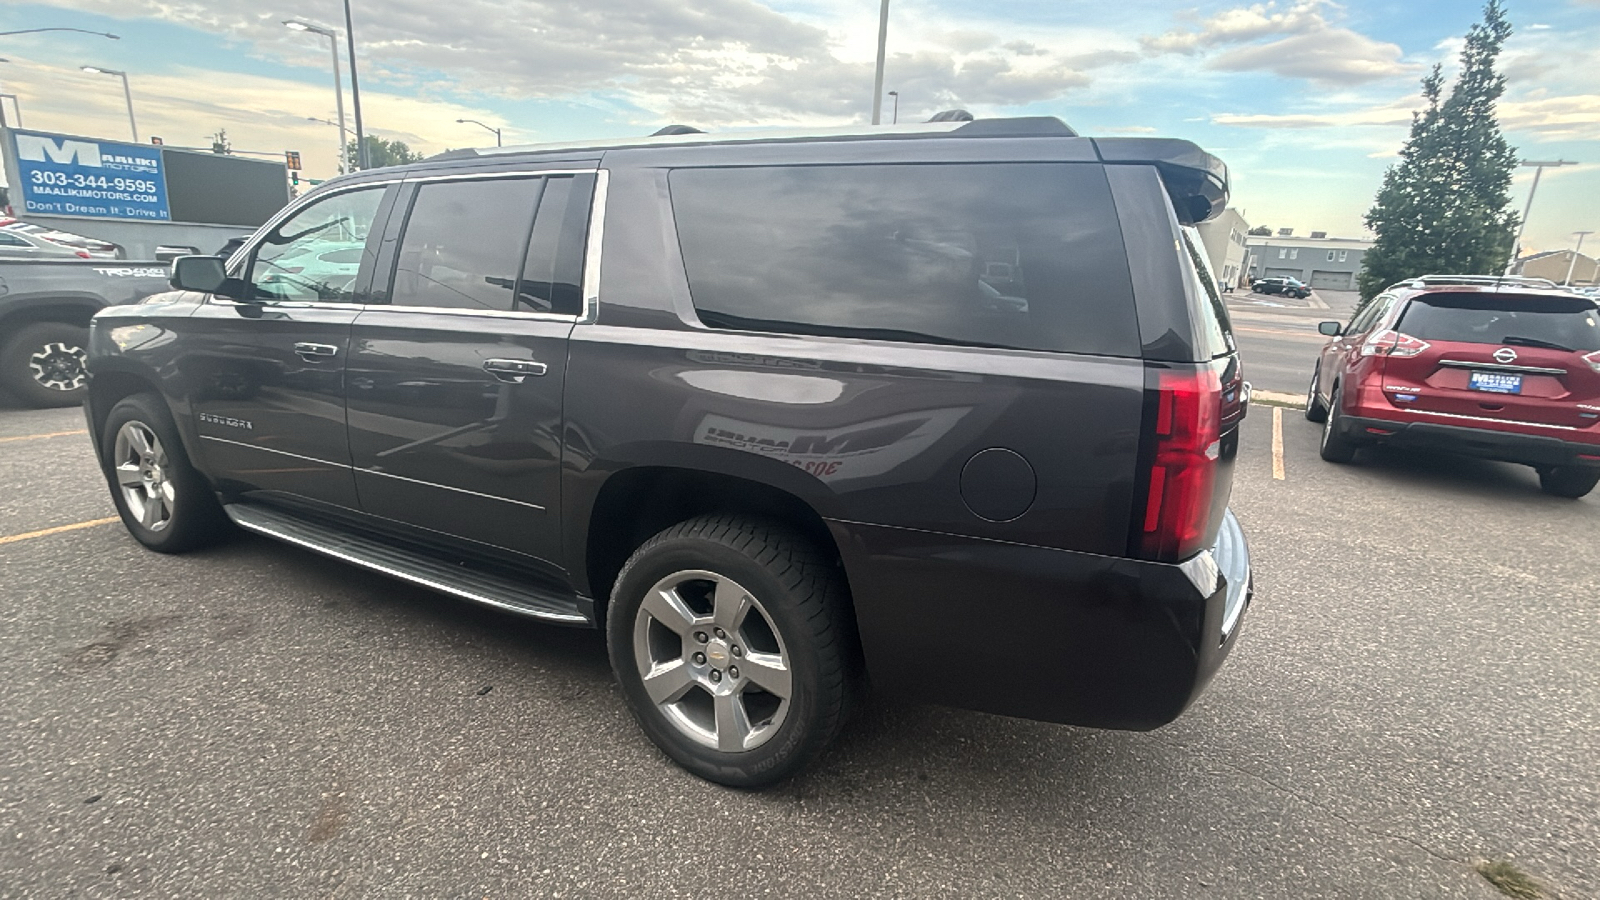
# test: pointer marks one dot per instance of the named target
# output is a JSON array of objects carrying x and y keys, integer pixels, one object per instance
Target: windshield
[{"x": 1557, "y": 323}]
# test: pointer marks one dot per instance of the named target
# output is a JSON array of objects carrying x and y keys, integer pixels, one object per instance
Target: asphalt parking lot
[{"x": 1415, "y": 690}]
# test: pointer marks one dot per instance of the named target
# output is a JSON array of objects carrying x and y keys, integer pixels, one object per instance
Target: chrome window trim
[
  {"x": 321, "y": 462},
  {"x": 473, "y": 313},
  {"x": 504, "y": 173},
  {"x": 592, "y": 248},
  {"x": 446, "y": 487}
]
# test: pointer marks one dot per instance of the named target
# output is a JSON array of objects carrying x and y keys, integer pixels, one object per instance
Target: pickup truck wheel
[
  {"x": 165, "y": 504},
  {"x": 1568, "y": 481},
  {"x": 44, "y": 364},
  {"x": 733, "y": 645},
  {"x": 1336, "y": 447}
]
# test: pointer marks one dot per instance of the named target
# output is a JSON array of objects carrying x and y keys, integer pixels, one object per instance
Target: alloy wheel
[
  {"x": 143, "y": 475},
  {"x": 712, "y": 662},
  {"x": 60, "y": 367}
]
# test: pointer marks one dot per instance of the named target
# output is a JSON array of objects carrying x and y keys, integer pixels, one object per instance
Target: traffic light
[
  {"x": 155, "y": 140},
  {"x": 292, "y": 159},
  {"x": 294, "y": 178}
]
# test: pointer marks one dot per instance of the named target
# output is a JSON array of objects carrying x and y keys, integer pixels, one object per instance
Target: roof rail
[{"x": 1517, "y": 280}]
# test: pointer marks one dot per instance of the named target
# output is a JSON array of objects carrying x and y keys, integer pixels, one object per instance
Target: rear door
[
  {"x": 264, "y": 370},
  {"x": 1498, "y": 356},
  {"x": 455, "y": 397}
]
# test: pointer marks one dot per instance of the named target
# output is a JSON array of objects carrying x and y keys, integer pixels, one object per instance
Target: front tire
[
  {"x": 45, "y": 364},
  {"x": 1315, "y": 411},
  {"x": 1568, "y": 481},
  {"x": 165, "y": 503},
  {"x": 734, "y": 646},
  {"x": 1336, "y": 447}
]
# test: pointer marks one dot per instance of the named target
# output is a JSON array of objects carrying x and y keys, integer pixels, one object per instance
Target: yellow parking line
[
  {"x": 35, "y": 437},
  {"x": 1277, "y": 443},
  {"x": 12, "y": 539}
]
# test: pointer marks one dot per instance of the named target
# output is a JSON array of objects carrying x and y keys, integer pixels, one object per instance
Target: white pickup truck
[{"x": 45, "y": 307}]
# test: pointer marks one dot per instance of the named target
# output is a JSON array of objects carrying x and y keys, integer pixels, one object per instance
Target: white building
[
  {"x": 1224, "y": 239},
  {"x": 1320, "y": 261}
]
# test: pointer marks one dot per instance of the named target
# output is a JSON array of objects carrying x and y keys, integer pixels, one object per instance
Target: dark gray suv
[{"x": 952, "y": 407}]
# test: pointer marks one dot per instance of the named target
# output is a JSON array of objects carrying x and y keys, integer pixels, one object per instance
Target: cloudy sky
[{"x": 1306, "y": 100}]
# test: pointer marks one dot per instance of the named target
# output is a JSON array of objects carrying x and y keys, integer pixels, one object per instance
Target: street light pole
[
  {"x": 127, "y": 94},
  {"x": 355, "y": 89},
  {"x": 105, "y": 34},
  {"x": 895, "y": 118},
  {"x": 1538, "y": 169},
  {"x": 496, "y": 131},
  {"x": 338, "y": 89},
  {"x": 1575, "y": 251},
  {"x": 877, "y": 79}
]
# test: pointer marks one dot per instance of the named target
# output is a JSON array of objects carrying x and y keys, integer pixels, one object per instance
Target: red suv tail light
[
  {"x": 1593, "y": 359},
  {"x": 1392, "y": 343},
  {"x": 1181, "y": 482}
]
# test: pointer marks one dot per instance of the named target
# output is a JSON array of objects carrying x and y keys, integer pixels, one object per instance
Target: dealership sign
[{"x": 61, "y": 175}]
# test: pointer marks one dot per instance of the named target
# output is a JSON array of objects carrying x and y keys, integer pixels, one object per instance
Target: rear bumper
[
  {"x": 1043, "y": 634},
  {"x": 1505, "y": 446}
]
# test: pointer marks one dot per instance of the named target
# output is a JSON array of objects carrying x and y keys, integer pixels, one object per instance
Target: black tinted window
[
  {"x": 1558, "y": 322},
  {"x": 1013, "y": 255},
  {"x": 463, "y": 243},
  {"x": 553, "y": 274}
]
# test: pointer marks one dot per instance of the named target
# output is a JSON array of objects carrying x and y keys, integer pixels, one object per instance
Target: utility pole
[
  {"x": 877, "y": 79},
  {"x": 1538, "y": 169},
  {"x": 362, "y": 160},
  {"x": 1575, "y": 251}
]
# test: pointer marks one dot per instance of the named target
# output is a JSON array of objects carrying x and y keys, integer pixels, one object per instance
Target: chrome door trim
[
  {"x": 503, "y": 173},
  {"x": 323, "y": 462},
  {"x": 1501, "y": 367},
  {"x": 592, "y": 248},
  {"x": 446, "y": 487},
  {"x": 1445, "y": 415}
]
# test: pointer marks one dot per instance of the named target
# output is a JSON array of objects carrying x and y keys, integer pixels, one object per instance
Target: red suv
[{"x": 1502, "y": 372}]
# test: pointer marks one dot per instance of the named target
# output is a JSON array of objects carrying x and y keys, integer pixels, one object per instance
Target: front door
[
  {"x": 264, "y": 367},
  {"x": 455, "y": 387}
]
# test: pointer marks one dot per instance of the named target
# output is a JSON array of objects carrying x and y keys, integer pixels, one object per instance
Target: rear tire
[
  {"x": 1315, "y": 411},
  {"x": 165, "y": 503},
  {"x": 709, "y": 595},
  {"x": 1336, "y": 448},
  {"x": 1568, "y": 481},
  {"x": 44, "y": 364}
]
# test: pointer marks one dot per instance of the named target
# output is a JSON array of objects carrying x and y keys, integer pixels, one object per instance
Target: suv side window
[
  {"x": 463, "y": 243},
  {"x": 1020, "y": 255},
  {"x": 1364, "y": 317},
  {"x": 552, "y": 276},
  {"x": 316, "y": 254}
]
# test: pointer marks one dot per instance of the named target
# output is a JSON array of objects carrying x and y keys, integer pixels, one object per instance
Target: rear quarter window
[
  {"x": 1570, "y": 323},
  {"x": 1025, "y": 256}
]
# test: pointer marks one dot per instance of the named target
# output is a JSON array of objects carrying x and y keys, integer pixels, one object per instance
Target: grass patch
[{"x": 1510, "y": 880}]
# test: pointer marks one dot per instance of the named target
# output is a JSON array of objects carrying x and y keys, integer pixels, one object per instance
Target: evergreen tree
[{"x": 1445, "y": 207}]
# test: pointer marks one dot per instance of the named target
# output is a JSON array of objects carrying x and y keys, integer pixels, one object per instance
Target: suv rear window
[
  {"x": 1026, "y": 256},
  {"x": 1564, "y": 323}
]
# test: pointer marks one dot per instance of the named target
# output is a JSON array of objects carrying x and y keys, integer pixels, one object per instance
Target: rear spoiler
[{"x": 1196, "y": 181}]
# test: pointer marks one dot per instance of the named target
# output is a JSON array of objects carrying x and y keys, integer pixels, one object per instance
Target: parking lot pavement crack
[{"x": 1330, "y": 813}]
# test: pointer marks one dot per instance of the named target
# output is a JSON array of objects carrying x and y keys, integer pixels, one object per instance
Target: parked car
[
  {"x": 1508, "y": 373},
  {"x": 775, "y": 412},
  {"x": 81, "y": 246},
  {"x": 45, "y": 305},
  {"x": 21, "y": 245},
  {"x": 1288, "y": 287}
]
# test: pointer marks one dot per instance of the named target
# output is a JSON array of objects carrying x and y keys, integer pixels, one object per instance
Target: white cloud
[{"x": 1304, "y": 44}]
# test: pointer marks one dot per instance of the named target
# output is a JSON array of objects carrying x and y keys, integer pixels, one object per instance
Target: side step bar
[{"x": 370, "y": 553}]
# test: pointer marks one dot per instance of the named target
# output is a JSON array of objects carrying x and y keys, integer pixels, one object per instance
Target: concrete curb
[{"x": 1278, "y": 398}]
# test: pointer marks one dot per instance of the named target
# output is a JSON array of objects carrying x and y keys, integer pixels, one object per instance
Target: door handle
[
  {"x": 512, "y": 371},
  {"x": 315, "y": 352}
]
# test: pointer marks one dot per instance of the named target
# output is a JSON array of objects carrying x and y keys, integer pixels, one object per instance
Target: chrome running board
[{"x": 487, "y": 588}]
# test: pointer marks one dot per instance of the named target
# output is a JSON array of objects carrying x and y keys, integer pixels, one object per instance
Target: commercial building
[
  {"x": 1224, "y": 239},
  {"x": 1555, "y": 264},
  {"x": 1318, "y": 260}
]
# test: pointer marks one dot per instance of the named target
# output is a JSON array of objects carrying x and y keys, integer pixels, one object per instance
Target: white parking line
[{"x": 1277, "y": 443}]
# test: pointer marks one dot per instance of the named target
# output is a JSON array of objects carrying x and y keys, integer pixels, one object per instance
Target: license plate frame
[{"x": 1494, "y": 382}]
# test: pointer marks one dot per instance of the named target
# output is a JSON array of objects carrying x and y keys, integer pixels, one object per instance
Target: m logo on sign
[{"x": 34, "y": 148}]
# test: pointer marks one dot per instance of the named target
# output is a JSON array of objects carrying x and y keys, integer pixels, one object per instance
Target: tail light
[
  {"x": 1181, "y": 481},
  {"x": 84, "y": 254},
  {"x": 1593, "y": 359},
  {"x": 1392, "y": 343}
]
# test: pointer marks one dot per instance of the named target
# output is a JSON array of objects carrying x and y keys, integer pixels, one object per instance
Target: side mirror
[
  {"x": 1331, "y": 329},
  {"x": 198, "y": 273}
]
